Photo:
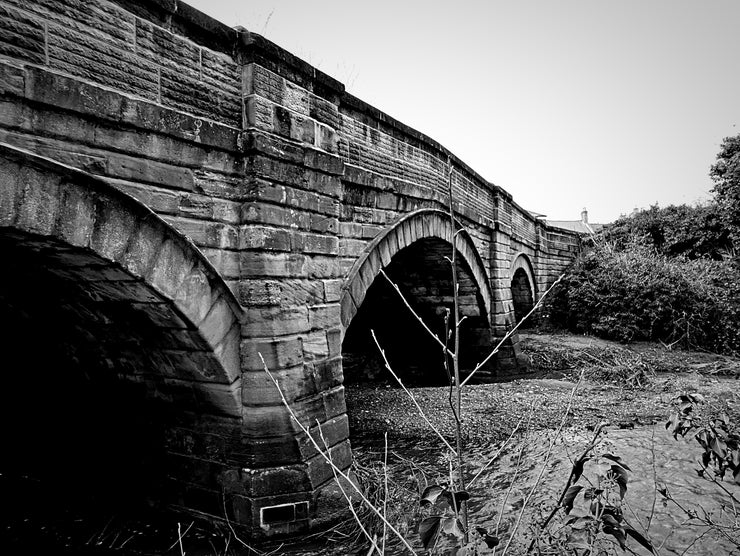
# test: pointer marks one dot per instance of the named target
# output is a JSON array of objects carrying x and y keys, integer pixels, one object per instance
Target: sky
[{"x": 567, "y": 104}]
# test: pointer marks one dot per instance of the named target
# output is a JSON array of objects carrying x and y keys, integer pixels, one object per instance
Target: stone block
[
  {"x": 295, "y": 382},
  {"x": 280, "y": 480},
  {"x": 218, "y": 322},
  {"x": 271, "y": 321},
  {"x": 224, "y": 399},
  {"x": 315, "y": 243},
  {"x": 315, "y": 346},
  {"x": 332, "y": 290},
  {"x": 320, "y": 472},
  {"x": 143, "y": 247},
  {"x": 262, "y": 237},
  {"x": 170, "y": 269},
  {"x": 255, "y": 293},
  {"x": 325, "y": 435},
  {"x": 12, "y": 80},
  {"x": 322, "y": 317},
  {"x": 334, "y": 403},
  {"x": 39, "y": 203},
  {"x": 334, "y": 340},
  {"x": 328, "y": 374},
  {"x": 278, "y": 353}
]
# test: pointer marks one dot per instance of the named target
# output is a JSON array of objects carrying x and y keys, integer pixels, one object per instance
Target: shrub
[{"x": 636, "y": 293}]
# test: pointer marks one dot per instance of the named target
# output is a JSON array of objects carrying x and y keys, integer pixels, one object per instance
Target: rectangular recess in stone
[{"x": 283, "y": 513}]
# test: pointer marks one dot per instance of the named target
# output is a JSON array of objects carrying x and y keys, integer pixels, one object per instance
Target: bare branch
[
  {"x": 413, "y": 399},
  {"x": 328, "y": 460},
  {"x": 405, "y": 302},
  {"x": 510, "y": 333}
]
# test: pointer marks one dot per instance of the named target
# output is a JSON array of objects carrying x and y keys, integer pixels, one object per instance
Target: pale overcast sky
[{"x": 609, "y": 105}]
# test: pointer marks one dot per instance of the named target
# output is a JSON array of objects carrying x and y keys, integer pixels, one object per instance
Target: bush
[{"x": 636, "y": 293}]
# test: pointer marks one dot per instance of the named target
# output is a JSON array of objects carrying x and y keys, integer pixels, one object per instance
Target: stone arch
[
  {"x": 125, "y": 253},
  {"x": 523, "y": 286},
  {"x": 412, "y": 227}
]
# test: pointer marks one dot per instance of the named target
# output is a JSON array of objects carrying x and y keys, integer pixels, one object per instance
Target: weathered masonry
[{"x": 177, "y": 198}]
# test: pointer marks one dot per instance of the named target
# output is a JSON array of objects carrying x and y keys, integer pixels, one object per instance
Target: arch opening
[
  {"x": 422, "y": 273},
  {"x": 95, "y": 388},
  {"x": 521, "y": 294}
]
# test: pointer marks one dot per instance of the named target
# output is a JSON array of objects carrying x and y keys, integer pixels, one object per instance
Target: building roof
[{"x": 575, "y": 226}]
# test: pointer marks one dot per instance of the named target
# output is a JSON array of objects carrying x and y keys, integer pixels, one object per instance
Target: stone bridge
[{"x": 179, "y": 198}]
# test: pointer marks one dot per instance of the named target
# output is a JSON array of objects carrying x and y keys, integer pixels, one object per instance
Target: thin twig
[
  {"x": 496, "y": 455},
  {"x": 544, "y": 464},
  {"x": 415, "y": 314},
  {"x": 413, "y": 399},
  {"x": 328, "y": 460},
  {"x": 373, "y": 544},
  {"x": 511, "y": 332},
  {"x": 179, "y": 537},
  {"x": 385, "y": 485}
]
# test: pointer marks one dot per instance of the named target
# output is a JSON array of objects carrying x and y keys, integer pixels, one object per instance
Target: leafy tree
[
  {"x": 677, "y": 230},
  {"x": 726, "y": 176}
]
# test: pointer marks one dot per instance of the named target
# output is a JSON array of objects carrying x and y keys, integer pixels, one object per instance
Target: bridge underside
[{"x": 423, "y": 275}]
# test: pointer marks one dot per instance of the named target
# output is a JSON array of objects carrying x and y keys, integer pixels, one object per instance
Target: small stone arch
[
  {"x": 69, "y": 213},
  {"x": 412, "y": 227},
  {"x": 523, "y": 286}
]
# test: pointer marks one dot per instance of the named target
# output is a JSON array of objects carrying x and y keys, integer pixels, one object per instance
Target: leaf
[
  {"x": 428, "y": 531},
  {"x": 617, "y": 460},
  {"x": 490, "y": 540},
  {"x": 578, "y": 538},
  {"x": 644, "y": 542},
  {"x": 570, "y": 496},
  {"x": 452, "y": 526},
  {"x": 459, "y": 497},
  {"x": 718, "y": 447},
  {"x": 618, "y": 533},
  {"x": 582, "y": 522},
  {"x": 578, "y": 468},
  {"x": 430, "y": 494},
  {"x": 592, "y": 493},
  {"x": 620, "y": 476},
  {"x": 696, "y": 397},
  {"x": 613, "y": 511}
]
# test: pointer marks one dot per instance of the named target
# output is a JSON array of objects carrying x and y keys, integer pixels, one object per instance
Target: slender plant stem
[
  {"x": 456, "y": 361},
  {"x": 414, "y": 313},
  {"x": 496, "y": 455},
  {"x": 410, "y": 395},
  {"x": 328, "y": 460},
  {"x": 385, "y": 486},
  {"x": 544, "y": 465},
  {"x": 580, "y": 460},
  {"x": 511, "y": 332},
  {"x": 373, "y": 544}
]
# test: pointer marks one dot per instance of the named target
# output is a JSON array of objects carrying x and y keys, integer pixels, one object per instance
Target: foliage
[
  {"x": 719, "y": 439},
  {"x": 637, "y": 294},
  {"x": 677, "y": 230},
  {"x": 726, "y": 176}
]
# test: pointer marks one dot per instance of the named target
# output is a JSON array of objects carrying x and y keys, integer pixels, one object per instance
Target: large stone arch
[
  {"x": 45, "y": 199},
  {"x": 412, "y": 227},
  {"x": 523, "y": 285},
  {"x": 414, "y": 253},
  {"x": 90, "y": 268}
]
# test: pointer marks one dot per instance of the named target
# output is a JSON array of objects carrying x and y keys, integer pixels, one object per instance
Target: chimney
[{"x": 584, "y": 216}]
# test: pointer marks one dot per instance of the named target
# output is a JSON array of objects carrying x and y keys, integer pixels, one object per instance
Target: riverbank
[
  {"x": 630, "y": 389},
  {"x": 492, "y": 411}
]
